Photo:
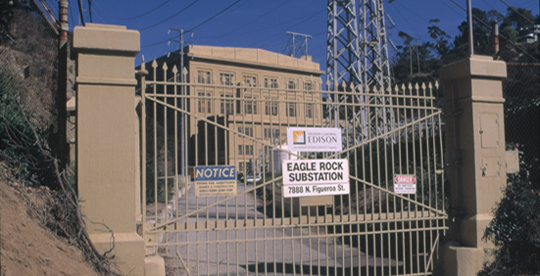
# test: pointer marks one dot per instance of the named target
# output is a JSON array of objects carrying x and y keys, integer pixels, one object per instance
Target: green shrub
[{"x": 515, "y": 230}]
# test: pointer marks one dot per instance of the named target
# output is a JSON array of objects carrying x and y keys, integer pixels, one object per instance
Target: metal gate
[{"x": 254, "y": 230}]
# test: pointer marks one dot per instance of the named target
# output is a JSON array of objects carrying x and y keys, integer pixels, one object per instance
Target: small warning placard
[
  {"x": 215, "y": 180},
  {"x": 405, "y": 184}
]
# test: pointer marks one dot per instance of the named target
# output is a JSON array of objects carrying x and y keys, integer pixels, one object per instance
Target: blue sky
[{"x": 264, "y": 24}]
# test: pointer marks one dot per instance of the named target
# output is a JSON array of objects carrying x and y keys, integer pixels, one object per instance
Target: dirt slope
[{"x": 26, "y": 248}]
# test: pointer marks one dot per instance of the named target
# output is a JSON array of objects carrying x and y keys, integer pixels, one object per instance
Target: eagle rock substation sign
[{"x": 315, "y": 177}]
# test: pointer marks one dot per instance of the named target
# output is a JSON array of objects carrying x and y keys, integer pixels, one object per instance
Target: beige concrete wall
[
  {"x": 254, "y": 57},
  {"x": 107, "y": 142},
  {"x": 475, "y": 157}
]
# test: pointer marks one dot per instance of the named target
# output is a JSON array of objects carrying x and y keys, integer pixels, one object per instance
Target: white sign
[
  {"x": 314, "y": 139},
  {"x": 315, "y": 177},
  {"x": 404, "y": 184}
]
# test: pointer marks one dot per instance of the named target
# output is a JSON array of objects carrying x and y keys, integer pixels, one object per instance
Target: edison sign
[
  {"x": 215, "y": 180},
  {"x": 404, "y": 184},
  {"x": 315, "y": 177},
  {"x": 311, "y": 139}
]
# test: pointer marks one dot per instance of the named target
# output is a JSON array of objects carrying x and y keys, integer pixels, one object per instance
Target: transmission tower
[
  {"x": 374, "y": 46},
  {"x": 357, "y": 61}
]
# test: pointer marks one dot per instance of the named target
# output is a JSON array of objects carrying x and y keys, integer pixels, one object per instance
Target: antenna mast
[{"x": 297, "y": 48}]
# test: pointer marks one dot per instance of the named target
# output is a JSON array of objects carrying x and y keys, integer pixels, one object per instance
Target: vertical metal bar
[
  {"x": 182, "y": 106},
  {"x": 207, "y": 246},
  {"x": 166, "y": 156},
  {"x": 143, "y": 147},
  {"x": 237, "y": 249},
  {"x": 155, "y": 151}
]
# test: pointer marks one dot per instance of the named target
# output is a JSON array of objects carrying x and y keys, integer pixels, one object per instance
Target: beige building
[{"x": 241, "y": 102}]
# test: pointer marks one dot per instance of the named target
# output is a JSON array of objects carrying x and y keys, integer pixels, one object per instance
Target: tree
[
  {"x": 425, "y": 59},
  {"x": 441, "y": 45},
  {"x": 518, "y": 18}
]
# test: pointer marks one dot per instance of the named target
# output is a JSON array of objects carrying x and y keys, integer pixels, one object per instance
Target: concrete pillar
[
  {"x": 475, "y": 158},
  {"x": 107, "y": 143}
]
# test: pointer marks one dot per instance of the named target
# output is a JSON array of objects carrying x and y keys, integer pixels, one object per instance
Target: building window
[
  {"x": 250, "y": 81},
  {"x": 204, "y": 104},
  {"x": 309, "y": 110},
  {"x": 226, "y": 78},
  {"x": 241, "y": 166},
  {"x": 226, "y": 106},
  {"x": 308, "y": 86},
  {"x": 271, "y": 108},
  {"x": 240, "y": 150},
  {"x": 249, "y": 150},
  {"x": 291, "y": 109},
  {"x": 291, "y": 84},
  {"x": 247, "y": 131},
  {"x": 251, "y": 106},
  {"x": 271, "y": 133},
  {"x": 270, "y": 83},
  {"x": 203, "y": 76}
]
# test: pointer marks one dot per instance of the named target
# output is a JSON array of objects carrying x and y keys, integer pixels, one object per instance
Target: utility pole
[
  {"x": 410, "y": 59},
  {"x": 417, "y": 55},
  {"x": 470, "y": 21},
  {"x": 495, "y": 40},
  {"x": 182, "y": 103}
]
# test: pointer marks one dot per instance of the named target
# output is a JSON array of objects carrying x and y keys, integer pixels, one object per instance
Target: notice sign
[
  {"x": 404, "y": 184},
  {"x": 315, "y": 177},
  {"x": 215, "y": 180},
  {"x": 310, "y": 139}
]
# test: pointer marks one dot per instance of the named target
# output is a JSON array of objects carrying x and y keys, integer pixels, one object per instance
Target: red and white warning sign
[{"x": 404, "y": 184}]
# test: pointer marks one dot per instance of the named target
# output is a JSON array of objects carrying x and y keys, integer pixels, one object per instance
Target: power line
[
  {"x": 280, "y": 32},
  {"x": 408, "y": 23},
  {"x": 488, "y": 4},
  {"x": 216, "y": 15},
  {"x": 450, "y": 7},
  {"x": 71, "y": 12},
  {"x": 204, "y": 22},
  {"x": 90, "y": 10},
  {"x": 157, "y": 43},
  {"x": 248, "y": 23},
  {"x": 81, "y": 12},
  {"x": 517, "y": 12},
  {"x": 133, "y": 17},
  {"x": 272, "y": 26},
  {"x": 419, "y": 16},
  {"x": 502, "y": 36},
  {"x": 169, "y": 18}
]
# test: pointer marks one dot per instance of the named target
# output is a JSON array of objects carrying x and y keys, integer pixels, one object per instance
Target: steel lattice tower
[
  {"x": 375, "y": 65},
  {"x": 357, "y": 60},
  {"x": 343, "y": 51}
]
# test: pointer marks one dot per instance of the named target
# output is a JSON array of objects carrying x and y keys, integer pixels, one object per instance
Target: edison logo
[{"x": 299, "y": 137}]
